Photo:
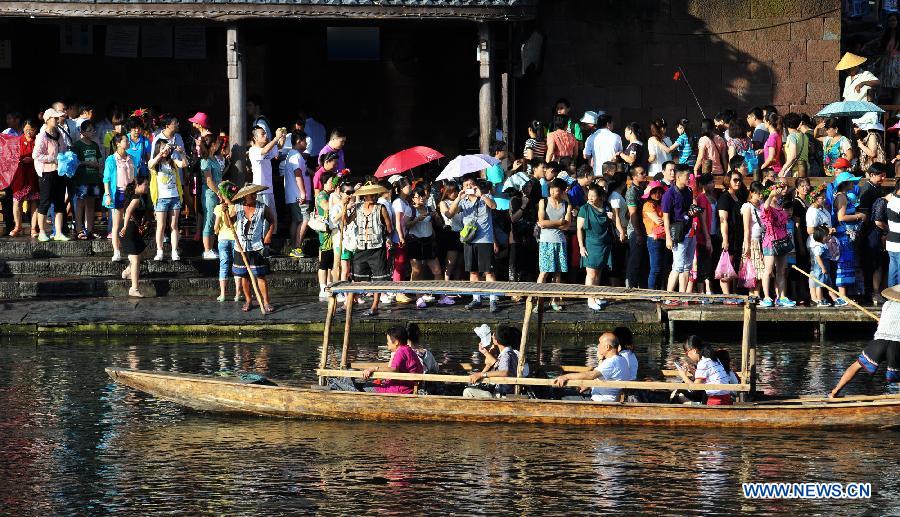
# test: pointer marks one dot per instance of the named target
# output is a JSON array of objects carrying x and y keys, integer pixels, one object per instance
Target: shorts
[
  {"x": 705, "y": 267},
  {"x": 85, "y": 191},
  {"x": 479, "y": 257},
  {"x": 370, "y": 265},
  {"x": 449, "y": 240},
  {"x": 300, "y": 213},
  {"x": 347, "y": 255},
  {"x": 53, "y": 192},
  {"x": 553, "y": 257},
  {"x": 683, "y": 255},
  {"x": 420, "y": 248},
  {"x": 118, "y": 199},
  {"x": 167, "y": 204},
  {"x": 259, "y": 266},
  {"x": 326, "y": 260},
  {"x": 882, "y": 350},
  {"x": 816, "y": 272}
]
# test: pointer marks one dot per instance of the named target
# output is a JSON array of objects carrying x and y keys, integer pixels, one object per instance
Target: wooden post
[
  {"x": 237, "y": 99},
  {"x": 529, "y": 305},
  {"x": 540, "y": 331},
  {"x": 752, "y": 380},
  {"x": 748, "y": 339},
  {"x": 326, "y": 336},
  {"x": 485, "y": 90},
  {"x": 347, "y": 319},
  {"x": 504, "y": 107}
]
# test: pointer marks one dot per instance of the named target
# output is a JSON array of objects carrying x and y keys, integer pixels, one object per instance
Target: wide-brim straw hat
[
  {"x": 892, "y": 293},
  {"x": 849, "y": 60},
  {"x": 370, "y": 190},
  {"x": 248, "y": 190}
]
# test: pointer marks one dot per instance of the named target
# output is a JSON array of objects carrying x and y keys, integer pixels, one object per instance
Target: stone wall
[{"x": 622, "y": 56}]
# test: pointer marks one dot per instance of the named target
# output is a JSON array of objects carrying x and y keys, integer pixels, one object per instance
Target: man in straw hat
[
  {"x": 253, "y": 236},
  {"x": 884, "y": 347},
  {"x": 373, "y": 224},
  {"x": 859, "y": 85}
]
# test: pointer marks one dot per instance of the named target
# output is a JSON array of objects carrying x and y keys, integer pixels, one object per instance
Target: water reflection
[{"x": 73, "y": 442}]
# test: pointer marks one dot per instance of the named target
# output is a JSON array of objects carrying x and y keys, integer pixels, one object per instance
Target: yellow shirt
[{"x": 225, "y": 233}]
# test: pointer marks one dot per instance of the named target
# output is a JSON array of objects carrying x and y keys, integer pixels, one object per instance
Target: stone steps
[{"x": 79, "y": 287}]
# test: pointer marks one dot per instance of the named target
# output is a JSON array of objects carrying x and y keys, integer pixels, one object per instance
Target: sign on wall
[
  {"x": 76, "y": 38},
  {"x": 5, "y": 53},
  {"x": 156, "y": 41},
  {"x": 190, "y": 42},
  {"x": 122, "y": 40}
]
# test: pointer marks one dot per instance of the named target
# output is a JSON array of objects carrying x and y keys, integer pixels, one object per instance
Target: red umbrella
[{"x": 406, "y": 160}]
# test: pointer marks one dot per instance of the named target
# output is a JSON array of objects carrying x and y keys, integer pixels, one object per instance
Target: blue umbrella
[{"x": 849, "y": 109}]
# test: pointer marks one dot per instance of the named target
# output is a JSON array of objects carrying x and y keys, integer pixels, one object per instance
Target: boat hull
[{"x": 213, "y": 394}]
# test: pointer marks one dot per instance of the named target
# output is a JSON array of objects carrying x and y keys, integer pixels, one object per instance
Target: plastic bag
[
  {"x": 66, "y": 164},
  {"x": 834, "y": 249},
  {"x": 724, "y": 270},
  {"x": 748, "y": 274}
]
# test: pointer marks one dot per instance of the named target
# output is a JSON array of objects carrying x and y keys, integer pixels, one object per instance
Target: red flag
[
  {"x": 9, "y": 159},
  {"x": 677, "y": 75}
]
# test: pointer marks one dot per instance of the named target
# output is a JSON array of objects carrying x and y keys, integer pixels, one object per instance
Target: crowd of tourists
[{"x": 717, "y": 205}]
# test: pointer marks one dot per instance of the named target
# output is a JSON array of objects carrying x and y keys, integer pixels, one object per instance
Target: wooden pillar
[
  {"x": 347, "y": 321},
  {"x": 237, "y": 99},
  {"x": 326, "y": 335},
  {"x": 485, "y": 90},
  {"x": 748, "y": 340},
  {"x": 504, "y": 108},
  {"x": 540, "y": 331},
  {"x": 529, "y": 305}
]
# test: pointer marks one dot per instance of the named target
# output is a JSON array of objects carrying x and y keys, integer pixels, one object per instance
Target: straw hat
[
  {"x": 849, "y": 60},
  {"x": 370, "y": 190},
  {"x": 892, "y": 293},
  {"x": 248, "y": 190}
]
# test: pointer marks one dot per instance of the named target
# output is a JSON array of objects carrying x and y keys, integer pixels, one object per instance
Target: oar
[
  {"x": 240, "y": 249},
  {"x": 851, "y": 302}
]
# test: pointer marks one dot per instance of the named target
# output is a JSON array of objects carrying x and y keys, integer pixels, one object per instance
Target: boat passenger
[
  {"x": 626, "y": 350},
  {"x": 403, "y": 360},
  {"x": 612, "y": 367},
  {"x": 884, "y": 347},
  {"x": 506, "y": 365},
  {"x": 709, "y": 371},
  {"x": 414, "y": 336}
]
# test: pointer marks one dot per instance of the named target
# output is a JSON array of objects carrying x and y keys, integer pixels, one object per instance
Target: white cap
[{"x": 589, "y": 117}]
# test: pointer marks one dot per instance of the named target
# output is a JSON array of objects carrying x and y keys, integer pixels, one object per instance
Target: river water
[{"x": 71, "y": 442}]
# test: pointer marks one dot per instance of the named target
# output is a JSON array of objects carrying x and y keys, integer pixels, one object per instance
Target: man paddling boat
[{"x": 884, "y": 347}]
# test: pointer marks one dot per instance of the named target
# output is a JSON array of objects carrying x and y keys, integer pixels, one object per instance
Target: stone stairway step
[
  {"x": 78, "y": 287},
  {"x": 101, "y": 266},
  {"x": 25, "y": 247}
]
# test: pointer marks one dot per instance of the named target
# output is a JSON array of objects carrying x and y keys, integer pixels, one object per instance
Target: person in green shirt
[{"x": 88, "y": 180}]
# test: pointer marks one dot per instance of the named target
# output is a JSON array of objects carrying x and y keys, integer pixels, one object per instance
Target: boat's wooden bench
[{"x": 530, "y": 381}]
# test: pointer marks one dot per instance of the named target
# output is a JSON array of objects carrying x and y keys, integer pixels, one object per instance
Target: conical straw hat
[
  {"x": 849, "y": 61},
  {"x": 248, "y": 190}
]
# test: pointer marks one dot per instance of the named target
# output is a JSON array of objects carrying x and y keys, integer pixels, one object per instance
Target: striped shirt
[
  {"x": 684, "y": 149},
  {"x": 893, "y": 217}
]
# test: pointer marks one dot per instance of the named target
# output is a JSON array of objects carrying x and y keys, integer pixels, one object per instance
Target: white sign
[
  {"x": 76, "y": 38},
  {"x": 122, "y": 40},
  {"x": 156, "y": 41},
  {"x": 190, "y": 42}
]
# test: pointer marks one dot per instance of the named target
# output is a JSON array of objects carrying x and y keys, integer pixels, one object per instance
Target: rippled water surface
[{"x": 71, "y": 442}]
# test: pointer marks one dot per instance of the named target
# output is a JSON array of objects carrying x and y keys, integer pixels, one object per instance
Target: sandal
[
  {"x": 83, "y": 236},
  {"x": 15, "y": 232},
  {"x": 269, "y": 309},
  {"x": 246, "y": 307},
  {"x": 369, "y": 313},
  {"x": 34, "y": 235},
  {"x": 134, "y": 293}
]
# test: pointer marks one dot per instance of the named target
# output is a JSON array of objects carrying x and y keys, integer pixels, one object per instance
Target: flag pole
[{"x": 691, "y": 88}]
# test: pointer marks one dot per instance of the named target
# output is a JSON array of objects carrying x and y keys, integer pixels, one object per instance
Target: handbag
[
  {"x": 783, "y": 246},
  {"x": 677, "y": 229},
  {"x": 470, "y": 229},
  {"x": 318, "y": 223}
]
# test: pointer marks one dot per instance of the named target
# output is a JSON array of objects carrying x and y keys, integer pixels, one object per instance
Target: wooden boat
[
  {"x": 217, "y": 394},
  {"x": 207, "y": 393}
]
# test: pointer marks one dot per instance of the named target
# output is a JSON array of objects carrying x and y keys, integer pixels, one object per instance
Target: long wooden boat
[
  {"x": 228, "y": 395},
  {"x": 219, "y": 394}
]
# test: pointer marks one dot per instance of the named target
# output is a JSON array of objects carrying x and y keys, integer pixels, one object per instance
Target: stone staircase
[{"x": 30, "y": 269}]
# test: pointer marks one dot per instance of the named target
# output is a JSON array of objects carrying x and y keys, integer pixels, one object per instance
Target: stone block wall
[{"x": 622, "y": 56}]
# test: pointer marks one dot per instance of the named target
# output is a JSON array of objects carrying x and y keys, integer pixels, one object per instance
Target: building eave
[{"x": 228, "y": 12}]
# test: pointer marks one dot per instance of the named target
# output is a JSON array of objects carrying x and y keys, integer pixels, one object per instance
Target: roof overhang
[{"x": 484, "y": 10}]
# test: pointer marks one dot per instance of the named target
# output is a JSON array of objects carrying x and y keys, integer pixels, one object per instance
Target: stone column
[
  {"x": 237, "y": 100},
  {"x": 486, "y": 89}
]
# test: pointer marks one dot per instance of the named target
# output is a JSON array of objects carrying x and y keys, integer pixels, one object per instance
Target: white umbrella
[
  {"x": 465, "y": 164},
  {"x": 488, "y": 158}
]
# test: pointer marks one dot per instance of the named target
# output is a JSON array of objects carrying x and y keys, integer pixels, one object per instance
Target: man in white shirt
[
  {"x": 607, "y": 145},
  {"x": 612, "y": 367},
  {"x": 260, "y": 155},
  {"x": 298, "y": 191},
  {"x": 169, "y": 132}
]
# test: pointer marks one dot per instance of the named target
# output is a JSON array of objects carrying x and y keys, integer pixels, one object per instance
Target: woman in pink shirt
[
  {"x": 772, "y": 150},
  {"x": 403, "y": 360},
  {"x": 711, "y": 147},
  {"x": 774, "y": 220},
  {"x": 47, "y": 147}
]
